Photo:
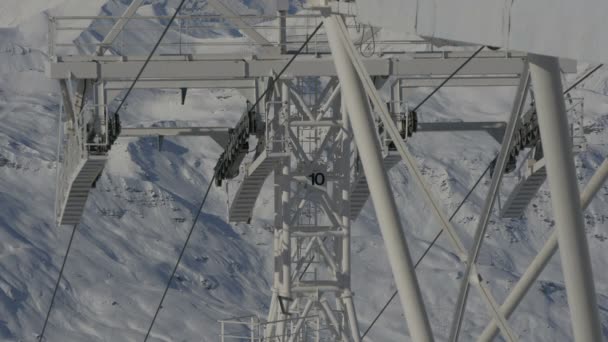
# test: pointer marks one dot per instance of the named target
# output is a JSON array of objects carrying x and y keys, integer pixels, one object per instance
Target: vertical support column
[
  {"x": 52, "y": 36},
  {"x": 282, "y": 12},
  {"x": 285, "y": 98},
  {"x": 386, "y": 211},
  {"x": 282, "y": 9},
  {"x": 80, "y": 95},
  {"x": 283, "y": 112},
  {"x": 272, "y": 313},
  {"x": 345, "y": 160},
  {"x": 285, "y": 236},
  {"x": 285, "y": 189},
  {"x": 67, "y": 103},
  {"x": 278, "y": 222},
  {"x": 256, "y": 95},
  {"x": 347, "y": 297},
  {"x": 401, "y": 93},
  {"x": 253, "y": 325},
  {"x": 285, "y": 194},
  {"x": 396, "y": 99},
  {"x": 318, "y": 336},
  {"x": 273, "y": 124},
  {"x": 100, "y": 95},
  {"x": 282, "y": 262},
  {"x": 100, "y": 110},
  {"x": 565, "y": 198},
  {"x": 222, "y": 330}
]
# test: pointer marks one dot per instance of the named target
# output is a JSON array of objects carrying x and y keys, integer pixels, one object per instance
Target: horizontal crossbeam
[
  {"x": 460, "y": 126},
  {"x": 490, "y": 69},
  {"x": 191, "y": 84},
  {"x": 219, "y": 134},
  {"x": 496, "y": 129},
  {"x": 485, "y": 81}
]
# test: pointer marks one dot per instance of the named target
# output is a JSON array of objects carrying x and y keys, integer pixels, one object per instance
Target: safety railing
[
  {"x": 273, "y": 121},
  {"x": 95, "y": 127},
  {"x": 575, "y": 112},
  {"x": 254, "y": 329},
  {"x": 71, "y": 153},
  {"x": 526, "y": 163},
  {"x": 575, "y": 108},
  {"x": 199, "y": 34},
  {"x": 245, "y": 328}
]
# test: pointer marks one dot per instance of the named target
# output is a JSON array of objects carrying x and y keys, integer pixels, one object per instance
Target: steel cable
[
  {"x": 584, "y": 77},
  {"x": 213, "y": 179},
  {"x": 273, "y": 79},
  {"x": 571, "y": 87},
  {"x": 449, "y": 77},
  {"x": 179, "y": 259},
  {"x": 41, "y": 336},
  {"x": 430, "y": 246},
  {"x": 65, "y": 258},
  {"x": 143, "y": 67}
]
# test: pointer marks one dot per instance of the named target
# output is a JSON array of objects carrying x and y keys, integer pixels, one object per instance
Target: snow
[{"x": 137, "y": 218}]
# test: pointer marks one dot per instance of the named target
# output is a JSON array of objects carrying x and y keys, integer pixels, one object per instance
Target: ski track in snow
[{"x": 137, "y": 217}]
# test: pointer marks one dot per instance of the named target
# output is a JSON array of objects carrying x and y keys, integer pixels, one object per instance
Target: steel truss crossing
[
  {"x": 328, "y": 153},
  {"x": 312, "y": 222}
]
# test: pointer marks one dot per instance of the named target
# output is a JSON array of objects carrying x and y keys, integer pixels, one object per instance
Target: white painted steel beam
[
  {"x": 300, "y": 321},
  {"x": 193, "y": 70},
  {"x": 410, "y": 161},
  {"x": 329, "y": 260},
  {"x": 541, "y": 260},
  {"x": 106, "y": 43},
  {"x": 328, "y": 89},
  {"x": 245, "y": 87},
  {"x": 190, "y": 68},
  {"x": 486, "y": 211},
  {"x": 347, "y": 297},
  {"x": 173, "y": 131},
  {"x": 496, "y": 129},
  {"x": 118, "y": 26},
  {"x": 460, "y": 126},
  {"x": 401, "y": 56},
  {"x": 299, "y": 101},
  {"x": 330, "y": 101},
  {"x": 285, "y": 243},
  {"x": 486, "y": 81},
  {"x": 320, "y": 123},
  {"x": 191, "y": 84},
  {"x": 232, "y": 17},
  {"x": 219, "y": 134},
  {"x": 359, "y": 113},
  {"x": 395, "y": 135},
  {"x": 335, "y": 325},
  {"x": 565, "y": 198},
  {"x": 68, "y": 105}
]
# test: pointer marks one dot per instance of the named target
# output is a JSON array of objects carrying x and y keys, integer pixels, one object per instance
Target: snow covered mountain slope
[{"x": 137, "y": 217}]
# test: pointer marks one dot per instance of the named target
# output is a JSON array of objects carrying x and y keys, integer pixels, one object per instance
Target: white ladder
[
  {"x": 241, "y": 208},
  {"x": 524, "y": 192},
  {"x": 360, "y": 191},
  {"x": 78, "y": 187}
]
